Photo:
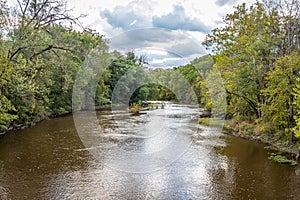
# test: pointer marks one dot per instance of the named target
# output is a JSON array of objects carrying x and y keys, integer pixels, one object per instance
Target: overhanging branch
[{"x": 49, "y": 48}]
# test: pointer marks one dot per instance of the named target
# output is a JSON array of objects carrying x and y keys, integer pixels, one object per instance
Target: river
[{"x": 50, "y": 161}]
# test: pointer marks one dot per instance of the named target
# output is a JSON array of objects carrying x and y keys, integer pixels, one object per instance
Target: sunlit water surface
[{"x": 49, "y": 161}]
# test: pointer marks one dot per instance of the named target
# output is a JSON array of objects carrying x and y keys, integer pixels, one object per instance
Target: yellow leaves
[
  {"x": 291, "y": 61},
  {"x": 296, "y": 129},
  {"x": 32, "y": 108}
]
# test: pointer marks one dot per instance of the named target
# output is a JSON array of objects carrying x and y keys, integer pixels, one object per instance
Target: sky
[{"x": 168, "y": 32}]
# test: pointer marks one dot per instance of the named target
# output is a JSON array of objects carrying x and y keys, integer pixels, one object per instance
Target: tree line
[
  {"x": 256, "y": 52},
  {"x": 40, "y": 55}
]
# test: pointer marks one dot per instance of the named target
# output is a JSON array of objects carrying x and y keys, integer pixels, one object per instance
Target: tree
[
  {"x": 281, "y": 83},
  {"x": 243, "y": 57},
  {"x": 32, "y": 17},
  {"x": 40, "y": 58},
  {"x": 257, "y": 53},
  {"x": 126, "y": 76},
  {"x": 7, "y": 110}
]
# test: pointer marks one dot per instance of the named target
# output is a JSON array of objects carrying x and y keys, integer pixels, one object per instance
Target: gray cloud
[
  {"x": 168, "y": 35},
  {"x": 125, "y": 18},
  {"x": 224, "y": 2},
  {"x": 162, "y": 59},
  {"x": 146, "y": 37},
  {"x": 178, "y": 20},
  {"x": 175, "y": 43},
  {"x": 172, "y": 62}
]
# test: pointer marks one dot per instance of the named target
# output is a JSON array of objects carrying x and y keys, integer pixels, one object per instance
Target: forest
[{"x": 256, "y": 52}]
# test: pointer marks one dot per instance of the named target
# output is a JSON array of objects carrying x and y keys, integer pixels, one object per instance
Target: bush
[{"x": 282, "y": 159}]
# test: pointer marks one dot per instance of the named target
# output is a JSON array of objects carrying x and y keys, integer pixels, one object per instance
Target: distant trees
[{"x": 184, "y": 83}]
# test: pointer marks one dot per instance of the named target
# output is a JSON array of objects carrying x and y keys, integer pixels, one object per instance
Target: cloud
[
  {"x": 174, "y": 19},
  {"x": 168, "y": 62},
  {"x": 133, "y": 23},
  {"x": 127, "y": 18},
  {"x": 145, "y": 37},
  {"x": 160, "y": 57},
  {"x": 124, "y": 17},
  {"x": 224, "y": 2},
  {"x": 134, "y": 30},
  {"x": 178, "y": 20},
  {"x": 167, "y": 43}
]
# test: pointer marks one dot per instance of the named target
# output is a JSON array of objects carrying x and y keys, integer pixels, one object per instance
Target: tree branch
[
  {"x": 49, "y": 48},
  {"x": 249, "y": 101},
  {"x": 16, "y": 52}
]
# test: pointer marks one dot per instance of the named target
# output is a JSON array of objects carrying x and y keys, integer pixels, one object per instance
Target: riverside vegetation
[{"x": 256, "y": 51}]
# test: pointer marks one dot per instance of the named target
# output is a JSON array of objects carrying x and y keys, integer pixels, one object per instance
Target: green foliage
[
  {"x": 39, "y": 60},
  {"x": 242, "y": 58},
  {"x": 296, "y": 103},
  {"x": 184, "y": 83},
  {"x": 281, "y": 84},
  {"x": 207, "y": 121},
  {"x": 282, "y": 159},
  {"x": 5, "y": 113},
  {"x": 135, "y": 108},
  {"x": 126, "y": 74},
  {"x": 257, "y": 54},
  {"x": 7, "y": 110}
]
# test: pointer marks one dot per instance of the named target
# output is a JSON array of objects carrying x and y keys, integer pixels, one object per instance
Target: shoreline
[
  {"x": 227, "y": 130},
  {"x": 33, "y": 122},
  {"x": 279, "y": 146}
]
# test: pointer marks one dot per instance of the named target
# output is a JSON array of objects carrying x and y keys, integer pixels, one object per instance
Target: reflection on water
[{"x": 49, "y": 161}]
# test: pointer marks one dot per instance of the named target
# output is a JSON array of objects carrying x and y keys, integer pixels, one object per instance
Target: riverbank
[
  {"x": 33, "y": 122},
  {"x": 282, "y": 146},
  {"x": 273, "y": 145},
  {"x": 28, "y": 124}
]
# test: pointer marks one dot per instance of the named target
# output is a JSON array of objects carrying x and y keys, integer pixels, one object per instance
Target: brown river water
[{"x": 50, "y": 161}]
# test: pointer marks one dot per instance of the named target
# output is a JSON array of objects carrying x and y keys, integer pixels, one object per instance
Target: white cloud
[
  {"x": 205, "y": 13},
  {"x": 173, "y": 61},
  {"x": 224, "y": 2},
  {"x": 158, "y": 44},
  {"x": 189, "y": 20},
  {"x": 178, "y": 20},
  {"x": 124, "y": 16},
  {"x": 160, "y": 57},
  {"x": 133, "y": 23}
]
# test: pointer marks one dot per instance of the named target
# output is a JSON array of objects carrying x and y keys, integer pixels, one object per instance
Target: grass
[
  {"x": 282, "y": 159},
  {"x": 207, "y": 121}
]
